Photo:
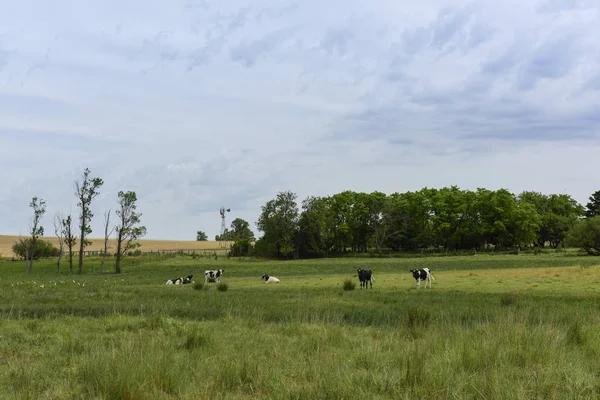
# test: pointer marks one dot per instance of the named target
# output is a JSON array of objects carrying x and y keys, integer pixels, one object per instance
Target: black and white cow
[
  {"x": 423, "y": 274},
  {"x": 365, "y": 276},
  {"x": 180, "y": 281},
  {"x": 270, "y": 279},
  {"x": 211, "y": 275}
]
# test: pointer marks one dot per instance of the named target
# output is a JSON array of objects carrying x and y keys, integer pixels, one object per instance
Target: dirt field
[{"x": 6, "y": 243}]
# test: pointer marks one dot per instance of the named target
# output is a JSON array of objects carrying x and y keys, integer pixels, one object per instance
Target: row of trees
[
  {"x": 127, "y": 231},
  {"x": 448, "y": 218}
]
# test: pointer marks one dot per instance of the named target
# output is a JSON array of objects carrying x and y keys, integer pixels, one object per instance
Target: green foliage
[
  {"x": 128, "y": 230},
  {"x": 593, "y": 206},
  {"x": 278, "y": 220},
  {"x": 222, "y": 286},
  {"x": 585, "y": 234},
  {"x": 240, "y": 229},
  {"x": 442, "y": 220},
  {"x": 86, "y": 191},
  {"x": 201, "y": 236},
  {"x": 349, "y": 285},
  {"x": 43, "y": 249},
  {"x": 36, "y": 230},
  {"x": 240, "y": 248},
  {"x": 199, "y": 285}
]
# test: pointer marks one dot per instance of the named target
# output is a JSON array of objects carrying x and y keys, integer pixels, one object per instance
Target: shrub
[
  {"x": 43, "y": 249},
  {"x": 349, "y": 284},
  {"x": 240, "y": 248},
  {"x": 222, "y": 287},
  {"x": 198, "y": 285}
]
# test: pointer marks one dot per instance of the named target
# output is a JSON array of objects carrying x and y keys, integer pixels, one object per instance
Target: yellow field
[{"x": 6, "y": 243}]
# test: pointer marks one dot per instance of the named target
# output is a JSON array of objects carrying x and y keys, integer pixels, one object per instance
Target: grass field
[
  {"x": 493, "y": 327},
  {"x": 6, "y": 243}
]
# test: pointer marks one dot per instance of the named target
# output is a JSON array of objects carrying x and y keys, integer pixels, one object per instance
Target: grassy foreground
[{"x": 510, "y": 327}]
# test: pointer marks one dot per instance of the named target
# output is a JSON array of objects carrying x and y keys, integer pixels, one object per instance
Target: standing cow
[
  {"x": 212, "y": 275},
  {"x": 365, "y": 276},
  {"x": 423, "y": 274}
]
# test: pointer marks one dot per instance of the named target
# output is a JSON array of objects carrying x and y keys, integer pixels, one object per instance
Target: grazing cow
[
  {"x": 423, "y": 274},
  {"x": 270, "y": 279},
  {"x": 365, "y": 276},
  {"x": 180, "y": 281},
  {"x": 212, "y": 275}
]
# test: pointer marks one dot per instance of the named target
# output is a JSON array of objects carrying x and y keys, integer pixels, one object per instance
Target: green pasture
[{"x": 493, "y": 327}]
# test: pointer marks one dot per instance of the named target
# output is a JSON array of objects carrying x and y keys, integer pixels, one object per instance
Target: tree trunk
[
  {"x": 71, "y": 260},
  {"x": 118, "y": 260}
]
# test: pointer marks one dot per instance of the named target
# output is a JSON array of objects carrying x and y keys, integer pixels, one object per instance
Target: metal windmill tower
[{"x": 223, "y": 225}]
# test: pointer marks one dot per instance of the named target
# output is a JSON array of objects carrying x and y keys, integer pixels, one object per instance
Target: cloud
[{"x": 197, "y": 105}]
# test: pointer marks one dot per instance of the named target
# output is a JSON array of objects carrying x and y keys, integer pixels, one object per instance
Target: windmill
[{"x": 223, "y": 225}]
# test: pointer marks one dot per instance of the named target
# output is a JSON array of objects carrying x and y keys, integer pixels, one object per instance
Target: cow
[
  {"x": 180, "y": 281},
  {"x": 270, "y": 279},
  {"x": 423, "y": 274},
  {"x": 212, "y": 275},
  {"x": 365, "y": 276}
]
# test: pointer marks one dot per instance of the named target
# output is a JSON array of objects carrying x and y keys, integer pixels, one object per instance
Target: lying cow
[
  {"x": 180, "y": 281},
  {"x": 211, "y": 275},
  {"x": 365, "y": 276},
  {"x": 270, "y": 279},
  {"x": 423, "y": 274}
]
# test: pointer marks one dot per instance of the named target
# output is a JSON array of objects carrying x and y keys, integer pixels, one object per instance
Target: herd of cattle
[{"x": 365, "y": 276}]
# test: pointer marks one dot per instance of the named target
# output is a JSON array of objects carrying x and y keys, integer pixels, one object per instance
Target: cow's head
[{"x": 265, "y": 277}]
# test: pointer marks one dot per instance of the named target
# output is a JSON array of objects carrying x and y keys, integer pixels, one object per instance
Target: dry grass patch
[{"x": 6, "y": 243}]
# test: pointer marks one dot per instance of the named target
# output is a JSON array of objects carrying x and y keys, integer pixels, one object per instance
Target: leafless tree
[
  {"x": 106, "y": 236},
  {"x": 59, "y": 232}
]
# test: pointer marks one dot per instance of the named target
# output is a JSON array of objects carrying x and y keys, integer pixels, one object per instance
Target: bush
[
  {"x": 43, "y": 249},
  {"x": 198, "y": 285},
  {"x": 240, "y": 248},
  {"x": 222, "y": 287},
  {"x": 349, "y": 284}
]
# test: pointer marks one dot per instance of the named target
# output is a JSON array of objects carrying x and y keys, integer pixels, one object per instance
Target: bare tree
[
  {"x": 86, "y": 191},
  {"x": 128, "y": 231},
  {"x": 106, "y": 236},
  {"x": 70, "y": 238},
  {"x": 59, "y": 232},
  {"x": 35, "y": 230}
]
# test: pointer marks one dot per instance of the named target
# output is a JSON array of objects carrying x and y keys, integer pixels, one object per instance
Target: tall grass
[{"x": 479, "y": 333}]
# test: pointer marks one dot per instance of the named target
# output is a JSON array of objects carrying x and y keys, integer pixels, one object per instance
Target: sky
[{"x": 200, "y": 104}]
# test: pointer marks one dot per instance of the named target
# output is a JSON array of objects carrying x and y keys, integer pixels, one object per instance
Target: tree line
[
  {"x": 127, "y": 230},
  {"x": 442, "y": 219}
]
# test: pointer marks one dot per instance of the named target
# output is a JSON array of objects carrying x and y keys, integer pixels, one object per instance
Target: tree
[
  {"x": 35, "y": 230},
  {"x": 585, "y": 234},
  {"x": 201, "y": 236},
  {"x": 59, "y": 232},
  {"x": 129, "y": 230},
  {"x": 279, "y": 222},
  {"x": 593, "y": 207},
  {"x": 240, "y": 229},
  {"x": 106, "y": 236},
  {"x": 70, "y": 238},
  {"x": 86, "y": 191}
]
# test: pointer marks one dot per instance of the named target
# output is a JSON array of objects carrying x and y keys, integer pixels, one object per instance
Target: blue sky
[{"x": 197, "y": 104}]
